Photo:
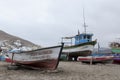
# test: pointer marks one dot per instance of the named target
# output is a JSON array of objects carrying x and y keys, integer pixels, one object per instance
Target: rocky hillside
[{"x": 10, "y": 38}]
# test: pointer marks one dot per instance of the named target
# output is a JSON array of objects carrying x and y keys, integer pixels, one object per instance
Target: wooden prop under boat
[{"x": 44, "y": 58}]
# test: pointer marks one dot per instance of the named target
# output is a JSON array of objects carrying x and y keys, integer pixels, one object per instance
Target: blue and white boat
[{"x": 83, "y": 46}]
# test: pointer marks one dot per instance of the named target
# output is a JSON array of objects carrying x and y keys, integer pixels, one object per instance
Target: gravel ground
[{"x": 65, "y": 71}]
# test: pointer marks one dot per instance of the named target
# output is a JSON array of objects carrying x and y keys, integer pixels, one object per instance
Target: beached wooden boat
[
  {"x": 44, "y": 58},
  {"x": 115, "y": 48},
  {"x": 96, "y": 58},
  {"x": 83, "y": 46},
  {"x": 116, "y": 59}
]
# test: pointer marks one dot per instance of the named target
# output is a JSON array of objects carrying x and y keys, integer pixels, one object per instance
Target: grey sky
[{"x": 44, "y": 22}]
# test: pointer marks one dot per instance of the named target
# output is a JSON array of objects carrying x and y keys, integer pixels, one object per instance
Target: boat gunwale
[
  {"x": 38, "y": 49},
  {"x": 88, "y": 43}
]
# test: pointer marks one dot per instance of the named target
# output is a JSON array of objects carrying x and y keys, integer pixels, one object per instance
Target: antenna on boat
[
  {"x": 78, "y": 32},
  {"x": 84, "y": 25},
  {"x": 98, "y": 47}
]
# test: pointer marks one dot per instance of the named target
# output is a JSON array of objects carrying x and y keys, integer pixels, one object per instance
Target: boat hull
[
  {"x": 116, "y": 51},
  {"x": 116, "y": 59},
  {"x": 44, "y": 58},
  {"x": 84, "y": 49},
  {"x": 102, "y": 59}
]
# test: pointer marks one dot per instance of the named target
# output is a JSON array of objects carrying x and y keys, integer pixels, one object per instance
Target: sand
[{"x": 65, "y": 71}]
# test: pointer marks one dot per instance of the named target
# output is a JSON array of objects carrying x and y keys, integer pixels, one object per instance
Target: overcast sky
[{"x": 44, "y": 22}]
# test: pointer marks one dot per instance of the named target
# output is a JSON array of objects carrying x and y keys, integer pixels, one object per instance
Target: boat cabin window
[
  {"x": 87, "y": 37},
  {"x": 78, "y": 38}
]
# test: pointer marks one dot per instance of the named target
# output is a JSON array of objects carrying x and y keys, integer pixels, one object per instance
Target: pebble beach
[{"x": 65, "y": 71}]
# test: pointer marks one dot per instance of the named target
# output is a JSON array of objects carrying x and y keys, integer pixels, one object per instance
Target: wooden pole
[
  {"x": 12, "y": 58},
  {"x": 91, "y": 60}
]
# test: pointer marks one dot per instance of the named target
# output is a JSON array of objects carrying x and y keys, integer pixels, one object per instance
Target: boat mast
[{"x": 84, "y": 24}]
